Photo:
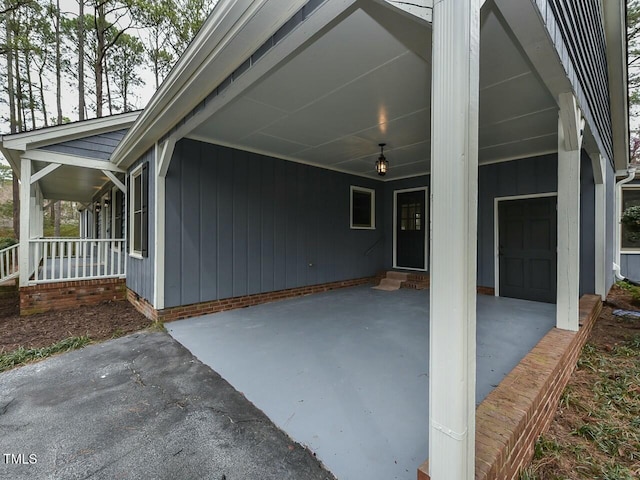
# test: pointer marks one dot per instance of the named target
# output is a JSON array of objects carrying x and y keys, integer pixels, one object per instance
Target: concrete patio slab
[
  {"x": 346, "y": 372},
  {"x": 138, "y": 407}
]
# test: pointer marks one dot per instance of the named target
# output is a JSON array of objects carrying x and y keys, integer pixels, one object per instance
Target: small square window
[{"x": 363, "y": 208}]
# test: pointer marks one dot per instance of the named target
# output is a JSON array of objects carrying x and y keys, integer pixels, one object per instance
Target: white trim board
[
  {"x": 73, "y": 160},
  {"x": 426, "y": 223},
  {"x": 496, "y": 232},
  {"x": 618, "y": 218},
  {"x": 71, "y": 131}
]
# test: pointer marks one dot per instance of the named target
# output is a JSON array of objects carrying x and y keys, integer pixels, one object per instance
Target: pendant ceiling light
[{"x": 382, "y": 165}]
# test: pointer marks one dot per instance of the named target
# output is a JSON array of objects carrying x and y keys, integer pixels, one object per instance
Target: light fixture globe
[{"x": 382, "y": 165}]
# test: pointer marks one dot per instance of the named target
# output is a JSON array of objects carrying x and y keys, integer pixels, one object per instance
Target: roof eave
[
  {"x": 615, "y": 31},
  {"x": 62, "y": 133},
  {"x": 179, "y": 94}
]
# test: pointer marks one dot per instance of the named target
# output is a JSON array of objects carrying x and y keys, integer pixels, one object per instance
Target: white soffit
[
  {"x": 71, "y": 183},
  {"x": 358, "y": 85}
]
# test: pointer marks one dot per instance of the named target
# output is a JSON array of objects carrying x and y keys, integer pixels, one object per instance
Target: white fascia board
[
  {"x": 70, "y": 131},
  {"x": 615, "y": 32},
  {"x": 233, "y": 31},
  {"x": 523, "y": 18},
  {"x": 73, "y": 160}
]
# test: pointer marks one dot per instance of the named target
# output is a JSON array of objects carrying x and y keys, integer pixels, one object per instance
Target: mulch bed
[{"x": 98, "y": 322}]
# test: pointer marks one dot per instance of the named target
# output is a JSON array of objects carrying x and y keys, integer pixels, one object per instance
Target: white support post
[
  {"x": 454, "y": 180},
  {"x": 25, "y": 220},
  {"x": 163, "y": 156},
  {"x": 569, "y": 143},
  {"x": 600, "y": 222}
]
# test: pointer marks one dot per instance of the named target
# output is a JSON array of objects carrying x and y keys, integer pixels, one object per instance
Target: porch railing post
[{"x": 25, "y": 220}]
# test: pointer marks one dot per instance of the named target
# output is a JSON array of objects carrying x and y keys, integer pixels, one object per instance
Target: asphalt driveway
[{"x": 138, "y": 407}]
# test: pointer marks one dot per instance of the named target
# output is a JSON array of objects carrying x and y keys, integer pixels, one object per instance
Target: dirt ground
[
  {"x": 99, "y": 322},
  {"x": 596, "y": 429}
]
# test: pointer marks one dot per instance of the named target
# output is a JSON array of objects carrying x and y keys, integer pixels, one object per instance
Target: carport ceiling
[{"x": 364, "y": 82}]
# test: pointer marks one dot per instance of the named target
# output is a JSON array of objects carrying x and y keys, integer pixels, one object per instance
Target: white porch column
[
  {"x": 570, "y": 126},
  {"x": 600, "y": 222},
  {"x": 454, "y": 188},
  {"x": 163, "y": 152},
  {"x": 25, "y": 220}
]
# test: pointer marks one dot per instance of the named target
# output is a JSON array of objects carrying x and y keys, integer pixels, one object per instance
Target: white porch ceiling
[
  {"x": 71, "y": 183},
  {"x": 360, "y": 84}
]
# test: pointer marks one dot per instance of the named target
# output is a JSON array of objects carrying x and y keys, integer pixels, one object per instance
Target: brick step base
[
  {"x": 415, "y": 281},
  {"x": 9, "y": 300}
]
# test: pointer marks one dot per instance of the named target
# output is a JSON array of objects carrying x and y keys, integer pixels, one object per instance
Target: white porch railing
[
  {"x": 9, "y": 263},
  {"x": 60, "y": 259}
]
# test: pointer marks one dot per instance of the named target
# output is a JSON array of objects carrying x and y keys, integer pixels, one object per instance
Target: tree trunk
[
  {"x": 12, "y": 123},
  {"x": 156, "y": 59},
  {"x": 10, "y": 84},
  {"x": 32, "y": 102},
  {"x": 106, "y": 77},
  {"x": 125, "y": 88},
  {"x": 41, "y": 90},
  {"x": 81, "y": 104},
  {"x": 19, "y": 99},
  {"x": 56, "y": 221},
  {"x": 58, "y": 65},
  {"x": 98, "y": 67}
]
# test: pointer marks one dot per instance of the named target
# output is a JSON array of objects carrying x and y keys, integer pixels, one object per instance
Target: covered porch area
[
  {"x": 346, "y": 372},
  {"x": 449, "y": 96},
  {"x": 69, "y": 163}
]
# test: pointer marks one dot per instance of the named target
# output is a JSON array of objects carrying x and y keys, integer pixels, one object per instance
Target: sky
[{"x": 141, "y": 95}]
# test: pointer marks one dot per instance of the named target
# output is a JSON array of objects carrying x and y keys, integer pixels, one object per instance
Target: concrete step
[
  {"x": 397, "y": 276},
  {"x": 389, "y": 284}
]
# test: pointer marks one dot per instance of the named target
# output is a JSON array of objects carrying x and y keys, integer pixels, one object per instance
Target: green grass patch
[
  {"x": 66, "y": 230},
  {"x": 633, "y": 290},
  {"x": 22, "y": 355},
  {"x": 597, "y": 435},
  {"x": 157, "y": 327},
  {"x": 546, "y": 447}
]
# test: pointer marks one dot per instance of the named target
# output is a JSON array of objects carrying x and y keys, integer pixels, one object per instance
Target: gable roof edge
[{"x": 177, "y": 96}]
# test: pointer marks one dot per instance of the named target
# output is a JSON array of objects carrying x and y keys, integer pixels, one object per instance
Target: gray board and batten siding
[
  {"x": 630, "y": 266},
  {"x": 140, "y": 271},
  {"x": 99, "y": 147},
  {"x": 518, "y": 177},
  {"x": 528, "y": 177},
  {"x": 239, "y": 223},
  {"x": 577, "y": 31}
]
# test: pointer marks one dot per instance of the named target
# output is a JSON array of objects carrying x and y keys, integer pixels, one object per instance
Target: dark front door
[
  {"x": 527, "y": 248},
  {"x": 410, "y": 229}
]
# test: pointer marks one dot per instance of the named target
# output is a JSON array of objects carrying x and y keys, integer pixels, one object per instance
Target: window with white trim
[
  {"x": 363, "y": 208},
  {"x": 629, "y": 239},
  {"x": 139, "y": 212}
]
